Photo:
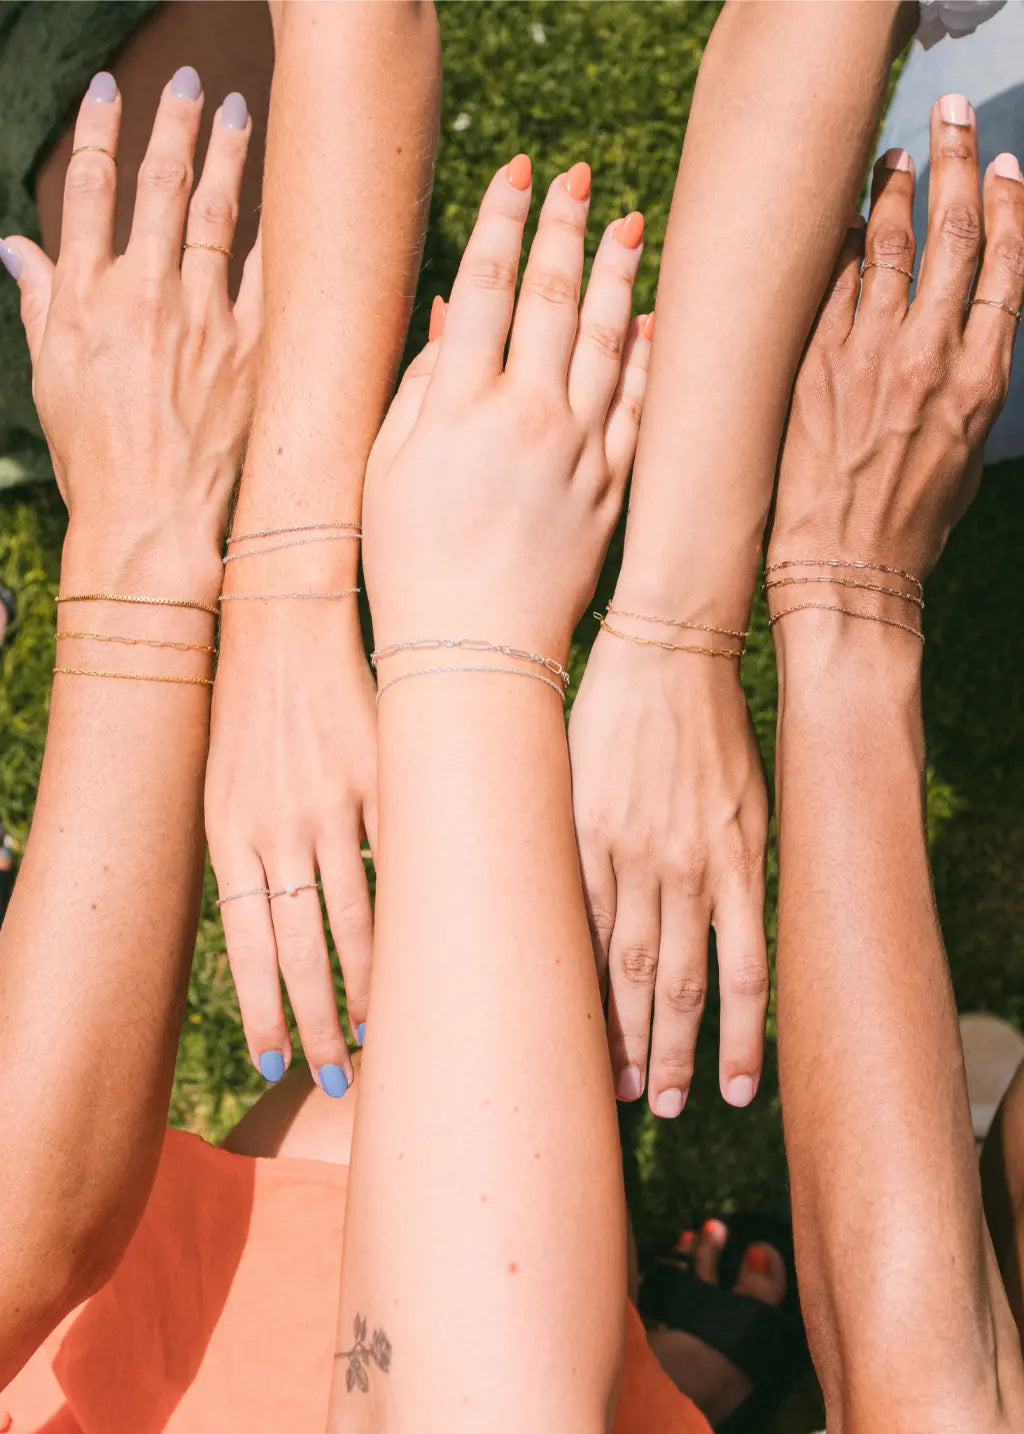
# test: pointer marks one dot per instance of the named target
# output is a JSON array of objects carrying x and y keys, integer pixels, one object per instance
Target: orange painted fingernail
[
  {"x": 647, "y": 327},
  {"x": 437, "y": 311},
  {"x": 757, "y": 1260},
  {"x": 631, "y": 230},
  {"x": 519, "y": 171},
  {"x": 577, "y": 181}
]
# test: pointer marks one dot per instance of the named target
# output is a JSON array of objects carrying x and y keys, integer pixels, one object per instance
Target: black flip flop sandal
[{"x": 766, "y": 1342}]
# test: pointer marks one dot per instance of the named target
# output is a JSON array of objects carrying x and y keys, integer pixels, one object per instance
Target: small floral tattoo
[{"x": 362, "y": 1354}]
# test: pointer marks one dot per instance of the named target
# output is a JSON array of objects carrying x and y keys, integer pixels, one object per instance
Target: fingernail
[
  {"x": 647, "y": 327},
  {"x": 631, "y": 230},
  {"x": 272, "y": 1065},
  {"x": 630, "y": 1083},
  {"x": 10, "y": 261},
  {"x": 518, "y": 172},
  {"x": 186, "y": 84},
  {"x": 436, "y": 325},
  {"x": 955, "y": 109},
  {"x": 740, "y": 1090},
  {"x": 103, "y": 87},
  {"x": 898, "y": 159},
  {"x": 361, "y": 1032},
  {"x": 685, "y": 1242},
  {"x": 577, "y": 181},
  {"x": 234, "y": 112},
  {"x": 858, "y": 222},
  {"x": 1006, "y": 166},
  {"x": 716, "y": 1231},
  {"x": 669, "y": 1104},
  {"x": 333, "y": 1081},
  {"x": 757, "y": 1260}
]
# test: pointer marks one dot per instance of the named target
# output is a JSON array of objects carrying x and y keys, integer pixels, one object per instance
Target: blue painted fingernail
[
  {"x": 186, "y": 84},
  {"x": 272, "y": 1065},
  {"x": 361, "y": 1032},
  {"x": 333, "y": 1081},
  {"x": 103, "y": 87},
  {"x": 10, "y": 260},
  {"x": 234, "y": 112}
]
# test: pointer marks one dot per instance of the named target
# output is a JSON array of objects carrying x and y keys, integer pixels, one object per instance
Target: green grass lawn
[{"x": 612, "y": 83}]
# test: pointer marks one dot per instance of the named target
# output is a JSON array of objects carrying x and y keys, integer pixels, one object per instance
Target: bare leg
[{"x": 1002, "y": 1181}]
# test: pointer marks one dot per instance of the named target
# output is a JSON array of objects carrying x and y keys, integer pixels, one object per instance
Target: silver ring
[
  {"x": 237, "y": 895},
  {"x": 294, "y": 890}
]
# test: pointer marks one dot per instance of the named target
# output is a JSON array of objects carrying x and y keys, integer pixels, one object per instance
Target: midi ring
[
  {"x": 237, "y": 895},
  {"x": 998, "y": 304},
  {"x": 94, "y": 149},
  {"x": 881, "y": 264},
  {"x": 293, "y": 890},
  {"x": 214, "y": 248}
]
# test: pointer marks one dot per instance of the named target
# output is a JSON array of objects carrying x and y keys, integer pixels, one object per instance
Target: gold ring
[
  {"x": 215, "y": 248},
  {"x": 881, "y": 264},
  {"x": 998, "y": 304},
  {"x": 94, "y": 149}
]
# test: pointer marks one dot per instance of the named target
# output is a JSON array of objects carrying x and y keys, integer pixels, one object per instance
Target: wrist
[
  {"x": 140, "y": 563},
  {"x": 835, "y": 669},
  {"x": 716, "y": 589}
]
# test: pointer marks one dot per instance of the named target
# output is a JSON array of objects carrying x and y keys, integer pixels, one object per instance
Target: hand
[
  {"x": 493, "y": 488},
  {"x": 893, "y": 402},
  {"x": 672, "y": 818},
  {"x": 143, "y": 371}
]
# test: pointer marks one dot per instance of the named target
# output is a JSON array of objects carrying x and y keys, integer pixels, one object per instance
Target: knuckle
[
  {"x": 487, "y": 273},
  {"x": 601, "y": 918},
  {"x": 604, "y": 337},
  {"x": 686, "y": 995},
  {"x": 90, "y": 174},
  {"x": 689, "y": 869},
  {"x": 744, "y": 855},
  {"x": 552, "y": 285},
  {"x": 214, "y": 208},
  {"x": 960, "y": 228},
  {"x": 638, "y": 963},
  {"x": 959, "y": 151},
  {"x": 300, "y": 955},
  {"x": 674, "y": 1069},
  {"x": 748, "y": 978},
  {"x": 892, "y": 241},
  {"x": 164, "y": 176},
  {"x": 1009, "y": 255}
]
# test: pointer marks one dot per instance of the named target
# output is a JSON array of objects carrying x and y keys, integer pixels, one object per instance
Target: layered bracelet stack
[
  {"x": 299, "y": 535},
  {"x": 558, "y": 680},
  {"x": 905, "y": 595},
  {"x": 737, "y": 637},
  {"x": 120, "y": 639}
]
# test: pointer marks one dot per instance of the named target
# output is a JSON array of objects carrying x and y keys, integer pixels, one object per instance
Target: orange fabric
[{"x": 221, "y": 1317}]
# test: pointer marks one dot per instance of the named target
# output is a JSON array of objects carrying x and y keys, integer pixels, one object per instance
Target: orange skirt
[{"x": 221, "y": 1316}]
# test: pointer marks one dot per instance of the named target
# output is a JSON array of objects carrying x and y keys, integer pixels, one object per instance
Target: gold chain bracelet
[
  {"x": 134, "y": 676},
  {"x": 667, "y": 646},
  {"x": 137, "y": 601}
]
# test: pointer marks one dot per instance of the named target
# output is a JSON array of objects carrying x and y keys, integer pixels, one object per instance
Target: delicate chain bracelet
[
  {"x": 470, "y": 644},
  {"x": 606, "y": 626},
  {"x": 292, "y": 543},
  {"x": 846, "y": 563},
  {"x": 917, "y": 601},
  {"x": 134, "y": 676},
  {"x": 914, "y": 598},
  {"x": 505, "y": 671},
  {"x": 135, "y": 641},
  {"x": 614, "y": 611},
  {"x": 267, "y": 597},
  {"x": 137, "y": 601},
  {"x": 850, "y": 612},
  {"x": 354, "y": 528}
]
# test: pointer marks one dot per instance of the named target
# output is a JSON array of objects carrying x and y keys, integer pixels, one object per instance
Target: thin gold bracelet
[
  {"x": 506, "y": 671},
  {"x": 137, "y": 601},
  {"x": 845, "y": 563},
  {"x": 917, "y": 601},
  {"x": 470, "y": 644},
  {"x": 849, "y": 612},
  {"x": 295, "y": 528},
  {"x": 614, "y": 611},
  {"x": 292, "y": 543},
  {"x": 134, "y": 676},
  {"x": 136, "y": 641},
  {"x": 267, "y": 597},
  {"x": 668, "y": 646}
]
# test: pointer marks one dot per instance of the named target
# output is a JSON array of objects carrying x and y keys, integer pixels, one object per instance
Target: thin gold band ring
[
  {"x": 881, "y": 264},
  {"x": 214, "y": 248},
  {"x": 998, "y": 304},
  {"x": 94, "y": 149}
]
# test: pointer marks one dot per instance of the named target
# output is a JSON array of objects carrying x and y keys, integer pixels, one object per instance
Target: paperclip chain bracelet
[
  {"x": 696, "y": 648},
  {"x": 614, "y": 611},
  {"x": 846, "y": 563},
  {"x": 470, "y": 644},
  {"x": 849, "y": 612},
  {"x": 292, "y": 543}
]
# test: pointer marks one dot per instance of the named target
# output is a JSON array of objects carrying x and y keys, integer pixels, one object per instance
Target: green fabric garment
[{"x": 49, "y": 51}]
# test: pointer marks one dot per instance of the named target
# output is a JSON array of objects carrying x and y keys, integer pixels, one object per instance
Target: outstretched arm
[
  {"x": 144, "y": 375},
  {"x": 292, "y": 784},
  {"x": 668, "y": 785},
  {"x": 907, "y": 1315}
]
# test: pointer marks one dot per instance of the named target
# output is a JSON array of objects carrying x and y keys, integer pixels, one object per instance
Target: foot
[{"x": 713, "y": 1382}]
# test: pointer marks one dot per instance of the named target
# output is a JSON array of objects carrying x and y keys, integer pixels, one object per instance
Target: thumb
[{"x": 33, "y": 271}]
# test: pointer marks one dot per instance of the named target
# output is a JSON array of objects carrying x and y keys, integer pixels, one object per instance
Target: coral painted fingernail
[
  {"x": 758, "y": 1260},
  {"x": 740, "y": 1090},
  {"x": 1006, "y": 166},
  {"x": 716, "y": 1231},
  {"x": 630, "y": 1083},
  {"x": 955, "y": 109},
  {"x": 647, "y": 327},
  {"x": 333, "y": 1081},
  {"x": 577, "y": 181},
  {"x": 10, "y": 260},
  {"x": 103, "y": 87},
  {"x": 234, "y": 112},
  {"x": 186, "y": 84},
  {"x": 436, "y": 325},
  {"x": 631, "y": 230},
  {"x": 272, "y": 1065},
  {"x": 361, "y": 1033},
  {"x": 669, "y": 1104},
  {"x": 898, "y": 159},
  {"x": 519, "y": 171}
]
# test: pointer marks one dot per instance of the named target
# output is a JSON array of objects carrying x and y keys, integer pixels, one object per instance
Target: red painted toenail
[
  {"x": 715, "y": 1231},
  {"x": 685, "y": 1242},
  {"x": 758, "y": 1260}
]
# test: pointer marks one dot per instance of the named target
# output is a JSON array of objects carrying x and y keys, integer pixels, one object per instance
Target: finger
[
  {"x": 32, "y": 269},
  {"x": 744, "y": 986},
  {"x": 213, "y": 212},
  {"x": 306, "y": 968},
  {"x": 954, "y": 213},
  {"x": 889, "y": 246},
  {"x": 604, "y": 320},
  {"x": 351, "y": 916},
  {"x": 252, "y": 955},
  {"x": 836, "y": 315},
  {"x": 679, "y": 999},
  {"x": 90, "y": 186},
  {"x": 437, "y": 312},
  {"x": 165, "y": 176},
  {"x": 623, "y": 423},
  {"x": 632, "y": 968},
  {"x": 991, "y": 329},
  {"x": 480, "y": 308},
  {"x": 599, "y": 894},
  {"x": 547, "y": 314},
  {"x": 249, "y": 303},
  {"x": 407, "y": 402}
]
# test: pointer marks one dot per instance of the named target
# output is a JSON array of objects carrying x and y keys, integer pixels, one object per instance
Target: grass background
[{"x": 612, "y": 83}]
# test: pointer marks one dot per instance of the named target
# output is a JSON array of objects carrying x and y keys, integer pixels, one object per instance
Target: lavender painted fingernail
[
  {"x": 361, "y": 1033},
  {"x": 234, "y": 112},
  {"x": 10, "y": 260},
  {"x": 186, "y": 84},
  {"x": 103, "y": 87}
]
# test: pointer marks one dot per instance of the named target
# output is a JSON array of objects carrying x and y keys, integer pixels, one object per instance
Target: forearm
[
  {"x": 905, "y": 1310},
  {"x": 497, "y": 1270},
  {"x": 786, "y": 110},
  {"x": 94, "y": 956}
]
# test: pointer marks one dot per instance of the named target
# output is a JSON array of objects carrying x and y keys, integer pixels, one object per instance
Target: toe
[
  {"x": 762, "y": 1275},
  {"x": 710, "y": 1244}
]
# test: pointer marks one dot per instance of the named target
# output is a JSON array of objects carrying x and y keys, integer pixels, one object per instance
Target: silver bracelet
[{"x": 506, "y": 671}]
